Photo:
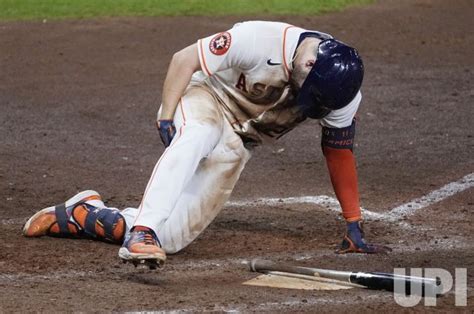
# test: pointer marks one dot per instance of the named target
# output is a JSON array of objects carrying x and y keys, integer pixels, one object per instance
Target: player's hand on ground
[
  {"x": 348, "y": 246},
  {"x": 354, "y": 242},
  {"x": 167, "y": 131}
]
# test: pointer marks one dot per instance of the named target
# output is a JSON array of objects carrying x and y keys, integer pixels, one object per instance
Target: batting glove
[
  {"x": 354, "y": 242},
  {"x": 167, "y": 131}
]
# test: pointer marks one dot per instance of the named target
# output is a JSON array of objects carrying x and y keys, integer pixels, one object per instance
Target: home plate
[{"x": 276, "y": 279}]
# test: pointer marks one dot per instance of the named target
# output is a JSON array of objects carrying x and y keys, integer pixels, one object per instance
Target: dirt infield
[{"x": 78, "y": 102}]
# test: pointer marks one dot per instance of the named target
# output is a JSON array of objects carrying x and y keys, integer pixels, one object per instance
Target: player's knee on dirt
[{"x": 100, "y": 223}]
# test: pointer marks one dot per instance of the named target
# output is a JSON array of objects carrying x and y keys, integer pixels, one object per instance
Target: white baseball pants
[{"x": 195, "y": 175}]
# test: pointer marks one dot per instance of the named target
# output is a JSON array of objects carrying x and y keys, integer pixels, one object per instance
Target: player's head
[{"x": 333, "y": 81}]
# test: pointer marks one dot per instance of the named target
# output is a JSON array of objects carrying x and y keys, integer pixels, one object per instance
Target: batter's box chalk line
[{"x": 394, "y": 215}]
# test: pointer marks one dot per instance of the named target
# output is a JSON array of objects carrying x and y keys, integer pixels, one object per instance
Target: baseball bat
[{"x": 370, "y": 280}]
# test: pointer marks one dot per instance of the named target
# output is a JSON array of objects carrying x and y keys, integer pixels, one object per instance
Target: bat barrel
[{"x": 259, "y": 265}]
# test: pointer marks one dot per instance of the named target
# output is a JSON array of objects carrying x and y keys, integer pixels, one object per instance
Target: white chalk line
[
  {"x": 13, "y": 221},
  {"x": 223, "y": 263},
  {"x": 311, "y": 301},
  {"x": 320, "y": 200},
  {"x": 18, "y": 278},
  {"x": 443, "y": 246},
  {"x": 435, "y": 196},
  {"x": 286, "y": 305},
  {"x": 394, "y": 214},
  {"x": 332, "y": 204},
  {"x": 326, "y": 201}
]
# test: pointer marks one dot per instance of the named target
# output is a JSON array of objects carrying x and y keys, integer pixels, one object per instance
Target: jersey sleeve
[
  {"x": 230, "y": 49},
  {"x": 342, "y": 118}
]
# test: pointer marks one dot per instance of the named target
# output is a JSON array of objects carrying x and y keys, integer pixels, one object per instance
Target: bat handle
[{"x": 385, "y": 281}]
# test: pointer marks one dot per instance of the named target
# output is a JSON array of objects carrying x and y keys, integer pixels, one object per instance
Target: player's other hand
[
  {"x": 349, "y": 247},
  {"x": 354, "y": 242},
  {"x": 167, "y": 131}
]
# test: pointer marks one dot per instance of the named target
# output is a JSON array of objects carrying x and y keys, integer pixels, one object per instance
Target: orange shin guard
[{"x": 100, "y": 223}]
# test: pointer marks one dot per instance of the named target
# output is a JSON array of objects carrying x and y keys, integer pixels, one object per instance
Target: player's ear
[{"x": 309, "y": 63}]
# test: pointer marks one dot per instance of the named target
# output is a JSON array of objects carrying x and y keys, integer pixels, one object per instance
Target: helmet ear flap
[{"x": 316, "y": 112}]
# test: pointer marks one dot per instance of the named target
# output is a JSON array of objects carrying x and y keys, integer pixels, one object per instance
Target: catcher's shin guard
[{"x": 83, "y": 215}]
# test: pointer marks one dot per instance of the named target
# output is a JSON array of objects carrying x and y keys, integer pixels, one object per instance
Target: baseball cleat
[
  {"x": 55, "y": 220},
  {"x": 354, "y": 242},
  {"x": 143, "y": 248},
  {"x": 146, "y": 263}
]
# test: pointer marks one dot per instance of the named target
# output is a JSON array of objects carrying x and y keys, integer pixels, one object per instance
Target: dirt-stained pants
[{"x": 195, "y": 175}]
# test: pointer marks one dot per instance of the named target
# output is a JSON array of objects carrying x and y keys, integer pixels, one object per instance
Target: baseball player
[{"x": 222, "y": 96}]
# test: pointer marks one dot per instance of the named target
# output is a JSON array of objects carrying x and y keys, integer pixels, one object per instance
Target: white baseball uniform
[{"x": 239, "y": 98}]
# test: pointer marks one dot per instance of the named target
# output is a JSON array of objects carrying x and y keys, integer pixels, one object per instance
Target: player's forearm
[
  {"x": 342, "y": 170},
  {"x": 182, "y": 66}
]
